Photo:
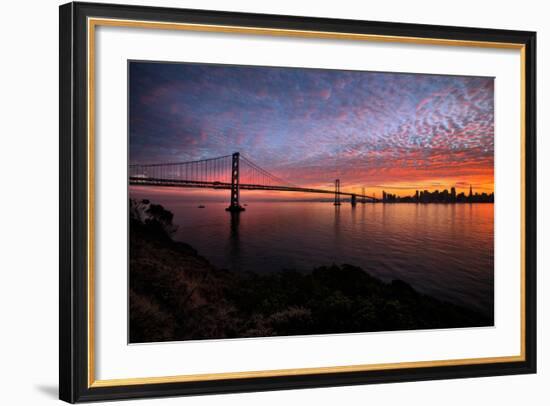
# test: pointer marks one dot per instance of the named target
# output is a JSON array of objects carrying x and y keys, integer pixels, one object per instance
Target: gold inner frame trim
[{"x": 94, "y": 22}]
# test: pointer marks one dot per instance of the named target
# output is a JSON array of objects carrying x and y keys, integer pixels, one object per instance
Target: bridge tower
[
  {"x": 363, "y": 199},
  {"x": 234, "y": 205},
  {"x": 337, "y": 192}
]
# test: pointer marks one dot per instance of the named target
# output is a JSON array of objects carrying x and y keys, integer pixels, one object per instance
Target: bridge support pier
[
  {"x": 234, "y": 206},
  {"x": 337, "y": 192},
  {"x": 353, "y": 200}
]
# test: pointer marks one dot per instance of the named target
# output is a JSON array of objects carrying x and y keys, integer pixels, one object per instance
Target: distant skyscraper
[
  {"x": 453, "y": 194},
  {"x": 471, "y": 195}
]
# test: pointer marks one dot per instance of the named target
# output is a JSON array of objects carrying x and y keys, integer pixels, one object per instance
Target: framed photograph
[{"x": 257, "y": 202}]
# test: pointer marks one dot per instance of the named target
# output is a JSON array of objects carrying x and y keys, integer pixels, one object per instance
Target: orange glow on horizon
[{"x": 480, "y": 184}]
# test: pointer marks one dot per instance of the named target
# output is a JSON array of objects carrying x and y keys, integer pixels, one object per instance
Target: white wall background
[{"x": 29, "y": 203}]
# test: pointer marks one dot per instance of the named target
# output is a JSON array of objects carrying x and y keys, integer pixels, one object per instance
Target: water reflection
[
  {"x": 234, "y": 223},
  {"x": 234, "y": 256}
]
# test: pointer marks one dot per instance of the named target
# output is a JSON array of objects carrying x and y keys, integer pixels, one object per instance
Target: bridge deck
[{"x": 134, "y": 180}]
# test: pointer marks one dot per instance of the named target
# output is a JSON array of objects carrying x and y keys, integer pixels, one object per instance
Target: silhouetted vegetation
[
  {"x": 437, "y": 196},
  {"x": 175, "y": 294}
]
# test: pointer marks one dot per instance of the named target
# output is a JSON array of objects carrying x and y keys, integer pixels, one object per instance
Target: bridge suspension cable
[
  {"x": 209, "y": 170},
  {"x": 255, "y": 174},
  {"x": 203, "y": 170}
]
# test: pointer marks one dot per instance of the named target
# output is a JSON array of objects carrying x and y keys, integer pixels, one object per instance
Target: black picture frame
[{"x": 74, "y": 385}]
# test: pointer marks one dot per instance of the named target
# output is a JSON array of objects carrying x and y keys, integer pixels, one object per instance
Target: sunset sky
[{"x": 381, "y": 131}]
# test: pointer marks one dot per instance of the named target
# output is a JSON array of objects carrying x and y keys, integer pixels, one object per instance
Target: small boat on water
[{"x": 201, "y": 206}]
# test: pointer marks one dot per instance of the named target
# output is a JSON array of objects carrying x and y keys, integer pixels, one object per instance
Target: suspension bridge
[{"x": 232, "y": 172}]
